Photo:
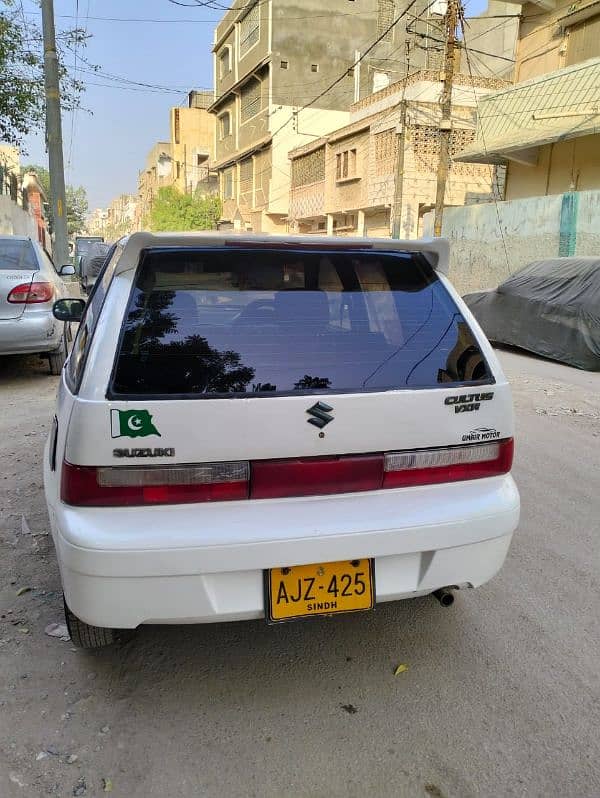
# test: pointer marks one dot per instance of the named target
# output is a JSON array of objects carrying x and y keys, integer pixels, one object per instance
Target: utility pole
[
  {"x": 401, "y": 145},
  {"x": 399, "y": 176},
  {"x": 54, "y": 140},
  {"x": 185, "y": 172},
  {"x": 450, "y": 23}
]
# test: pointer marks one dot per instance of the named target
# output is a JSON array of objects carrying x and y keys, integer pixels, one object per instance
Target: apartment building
[
  {"x": 157, "y": 172},
  {"x": 193, "y": 145},
  {"x": 546, "y": 128},
  {"x": 121, "y": 216},
  {"x": 272, "y": 59},
  {"x": 96, "y": 222},
  {"x": 345, "y": 183}
]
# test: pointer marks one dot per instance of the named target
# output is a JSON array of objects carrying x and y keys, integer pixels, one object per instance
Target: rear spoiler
[{"x": 435, "y": 250}]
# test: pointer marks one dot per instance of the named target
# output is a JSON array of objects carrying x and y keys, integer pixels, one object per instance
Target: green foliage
[
  {"x": 114, "y": 231},
  {"x": 180, "y": 212},
  {"x": 77, "y": 202},
  {"x": 77, "y": 208},
  {"x": 22, "y": 101}
]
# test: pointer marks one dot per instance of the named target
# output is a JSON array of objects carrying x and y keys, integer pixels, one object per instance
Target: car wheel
[
  {"x": 85, "y": 636},
  {"x": 58, "y": 357}
]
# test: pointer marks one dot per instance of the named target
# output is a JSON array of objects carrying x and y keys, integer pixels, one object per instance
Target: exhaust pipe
[{"x": 445, "y": 596}]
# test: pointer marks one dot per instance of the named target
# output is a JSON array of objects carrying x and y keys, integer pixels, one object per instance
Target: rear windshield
[
  {"x": 17, "y": 255},
  {"x": 223, "y": 322}
]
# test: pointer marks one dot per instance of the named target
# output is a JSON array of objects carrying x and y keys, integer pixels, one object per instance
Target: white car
[
  {"x": 29, "y": 286},
  {"x": 279, "y": 428}
]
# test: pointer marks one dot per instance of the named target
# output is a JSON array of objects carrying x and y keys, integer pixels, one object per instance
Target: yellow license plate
[{"x": 301, "y": 591}]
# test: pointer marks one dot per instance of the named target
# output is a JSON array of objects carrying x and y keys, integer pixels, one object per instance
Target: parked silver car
[{"x": 29, "y": 286}]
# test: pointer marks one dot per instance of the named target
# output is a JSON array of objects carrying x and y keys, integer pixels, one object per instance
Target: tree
[
  {"x": 179, "y": 212},
  {"x": 77, "y": 202},
  {"x": 22, "y": 99},
  {"x": 77, "y": 208}
]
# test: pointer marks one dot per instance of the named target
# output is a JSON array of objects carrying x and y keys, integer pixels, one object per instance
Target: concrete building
[
  {"x": 97, "y": 222},
  {"x": 22, "y": 200},
  {"x": 34, "y": 201},
  {"x": 345, "y": 183},
  {"x": 267, "y": 71},
  {"x": 158, "y": 172},
  {"x": 121, "y": 216},
  {"x": 546, "y": 128},
  {"x": 193, "y": 145}
]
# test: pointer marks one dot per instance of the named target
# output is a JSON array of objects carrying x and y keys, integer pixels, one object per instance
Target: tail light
[
  {"x": 266, "y": 479},
  {"x": 110, "y": 487},
  {"x": 453, "y": 464},
  {"x": 31, "y": 293}
]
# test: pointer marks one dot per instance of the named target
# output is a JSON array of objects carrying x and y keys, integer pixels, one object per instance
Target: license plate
[{"x": 301, "y": 591}]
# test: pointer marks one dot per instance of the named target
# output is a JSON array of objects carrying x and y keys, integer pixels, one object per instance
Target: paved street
[{"x": 501, "y": 697}]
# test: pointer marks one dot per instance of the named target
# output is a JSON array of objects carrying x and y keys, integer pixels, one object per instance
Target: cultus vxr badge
[
  {"x": 468, "y": 402},
  {"x": 320, "y": 415}
]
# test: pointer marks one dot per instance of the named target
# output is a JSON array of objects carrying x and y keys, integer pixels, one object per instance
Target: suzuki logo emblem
[{"x": 320, "y": 415}]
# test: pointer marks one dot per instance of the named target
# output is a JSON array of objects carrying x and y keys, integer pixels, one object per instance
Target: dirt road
[{"x": 500, "y": 698}]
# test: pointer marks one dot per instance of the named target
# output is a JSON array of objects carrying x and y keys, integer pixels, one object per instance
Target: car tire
[
  {"x": 58, "y": 357},
  {"x": 85, "y": 636}
]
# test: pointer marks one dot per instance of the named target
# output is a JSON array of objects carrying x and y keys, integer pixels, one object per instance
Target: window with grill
[
  {"x": 228, "y": 184},
  {"x": 246, "y": 174},
  {"x": 308, "y": 168},
  {"x": 225, "y": 125},
  {"x": 345, "y": 165},
  {"x": 385, "y": 17},
  {"x": 177, "y": 125},
  {"x": 225, "y": 61},
  {"x": 250, "y": 100},
  {"x": 250, "y": 29}
]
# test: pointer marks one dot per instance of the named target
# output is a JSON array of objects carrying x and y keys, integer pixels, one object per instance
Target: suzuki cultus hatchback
[{"x": 279, "y": 428}]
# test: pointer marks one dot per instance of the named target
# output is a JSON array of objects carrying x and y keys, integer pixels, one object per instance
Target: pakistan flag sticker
[{"x": 131, "y": 424}]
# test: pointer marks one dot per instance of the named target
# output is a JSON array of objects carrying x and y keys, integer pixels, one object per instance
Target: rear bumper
[
  {"x": 35, "y": 331},
  {"x": 204, "y": 563}
]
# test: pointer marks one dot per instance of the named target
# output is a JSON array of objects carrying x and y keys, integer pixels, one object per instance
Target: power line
[
  {"x": 188, "y": 21},
  {"x": 74, "y": 110},
  {"x": 392, "y": 114},
  {"x": 476, "y": 98}
]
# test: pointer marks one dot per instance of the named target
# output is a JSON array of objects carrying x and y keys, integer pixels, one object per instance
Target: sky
[{"x": 106, "y": 142}]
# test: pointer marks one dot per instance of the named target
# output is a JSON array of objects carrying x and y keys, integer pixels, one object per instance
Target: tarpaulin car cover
[
  {"x": 550, "y": 307},
  {"x": 93, "y": 259}
]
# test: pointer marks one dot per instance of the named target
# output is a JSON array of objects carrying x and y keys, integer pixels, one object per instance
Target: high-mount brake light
[
  {"x": 283, "y": 244},
  {"x": 91, "y": 486}
]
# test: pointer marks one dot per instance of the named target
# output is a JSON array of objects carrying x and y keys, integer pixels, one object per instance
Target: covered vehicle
[
  {"x": 550, "y": 307},
  {"x": 91, "y": 263}
]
